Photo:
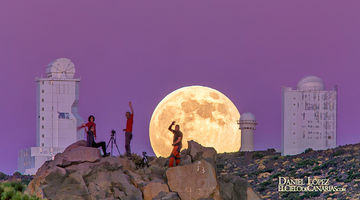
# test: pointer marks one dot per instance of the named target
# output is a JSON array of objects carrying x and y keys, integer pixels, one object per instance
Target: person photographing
[
  {"x": 177, "y": 144},
  {"x": 128, "y": 130}
]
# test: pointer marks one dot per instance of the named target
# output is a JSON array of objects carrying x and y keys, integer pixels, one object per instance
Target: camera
[{"x": 113, "y": 132}]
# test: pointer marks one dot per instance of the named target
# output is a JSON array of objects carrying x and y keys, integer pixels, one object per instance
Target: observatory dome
[
  {"x": 310, "y": 83},
  {"x": 61, "y": 68},
  {"x": 247, "y": 117}
]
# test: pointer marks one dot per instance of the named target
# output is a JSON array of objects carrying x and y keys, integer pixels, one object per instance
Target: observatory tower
[
  {"x": 56, "y": 115},
  {"x": 247, "y": 125},
  {"x": 308, "y": 117}
]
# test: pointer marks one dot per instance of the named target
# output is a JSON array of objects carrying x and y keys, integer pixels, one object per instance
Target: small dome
[
  {"x": 247, "y": 117},
  {"x": 310, "y": 83},
  {"x": 61, "y": 68}
]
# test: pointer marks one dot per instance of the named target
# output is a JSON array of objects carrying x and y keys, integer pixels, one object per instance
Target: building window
[
  {"x": 42, "y": 91},
  {"x": 42, "y": 100},
  {"x": 42, "y": 135},
  {"x": 42, "y": 109},
  {"x": 42, "y": 126},
  {"x": 42, "y": 144},
  {"x": 42, "y": 118},
  {"x": 63, "y": 115}
]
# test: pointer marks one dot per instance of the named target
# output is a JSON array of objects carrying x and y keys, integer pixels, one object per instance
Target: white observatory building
[
  {"x": 56, "y": 115},
  {"x": 308, "y": 117},
  {"x": 247, "y": 124}
]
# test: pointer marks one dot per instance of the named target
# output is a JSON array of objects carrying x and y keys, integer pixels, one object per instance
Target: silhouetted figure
[
  {"x": 177, "y": 145},
  {"x": 128, "y": 129},
  {"x": 91, "y": 141}
]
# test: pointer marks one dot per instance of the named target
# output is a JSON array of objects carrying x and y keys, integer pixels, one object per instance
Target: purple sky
[{"x": 143, "y": 50}]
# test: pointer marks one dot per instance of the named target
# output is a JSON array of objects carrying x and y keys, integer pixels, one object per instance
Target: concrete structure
[
  {"x": 56, "y": 117},
  {"x": 247, "y": 124},
  {"x": 308, "y": 117}
]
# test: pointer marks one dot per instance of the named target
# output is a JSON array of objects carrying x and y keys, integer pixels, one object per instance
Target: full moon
[{"x": 205, "y": 115}]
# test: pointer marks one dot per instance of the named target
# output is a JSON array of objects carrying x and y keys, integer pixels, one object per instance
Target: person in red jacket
[
  {"x": 177, "y": 145},
  {"x": 90, "y": 123},
  {"x": 128, "y": 129}
]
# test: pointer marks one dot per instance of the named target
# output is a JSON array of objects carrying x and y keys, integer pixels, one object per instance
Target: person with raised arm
[
  {"x": 128, "y": 130},
  {"x": 177, "y": 144}
]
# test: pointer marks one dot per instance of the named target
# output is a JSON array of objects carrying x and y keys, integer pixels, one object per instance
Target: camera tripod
[{"x": 112, "y": 141}]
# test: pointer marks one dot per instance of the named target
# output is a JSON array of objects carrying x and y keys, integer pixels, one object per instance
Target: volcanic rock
[
  {"x": 152, "y": 189},
  {"x": 167, "y": 196},
  {"x": 194, "y": 181},
  {"x": 233, "y": 187},
  {"x": 198, "y": 152},
  {"x": 81, "y": 173}
]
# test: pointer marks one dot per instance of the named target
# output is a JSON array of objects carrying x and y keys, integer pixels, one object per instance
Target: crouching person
[{"x": 91, "y": 141}]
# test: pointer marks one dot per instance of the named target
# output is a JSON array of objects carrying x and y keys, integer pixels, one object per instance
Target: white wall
[{"x": 308, "y": 120}]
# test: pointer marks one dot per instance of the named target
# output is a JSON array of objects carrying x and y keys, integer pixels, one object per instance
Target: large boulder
[
  {"x": 185, "y": 160},
  {"x": 80, "y": 143},
  {"x": 194, "y": 181},
  {"x": 139, "y": 180},
  {"x": 113, "y": 185},
  {"x": 70, "y": 186},
  {"x": 152, "y": 189},
  {"x": 199, "y": 152},
  {"x": 80, "y": 173},
  {"x": 47, "y": 170},
  {"x": 79, "y": 154},
  {"x": 233, "y": 188}
]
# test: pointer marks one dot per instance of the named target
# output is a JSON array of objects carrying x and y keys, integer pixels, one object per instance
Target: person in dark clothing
[
  {"x": 177, "y": 145},
  {"x": 91, "y": 141},
  {"x": 128, "y": 129}
]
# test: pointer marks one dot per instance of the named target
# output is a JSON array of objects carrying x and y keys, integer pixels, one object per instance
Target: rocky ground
[
  {"x": 81, "y": 173},
  {"x": 261, "y": 169}
]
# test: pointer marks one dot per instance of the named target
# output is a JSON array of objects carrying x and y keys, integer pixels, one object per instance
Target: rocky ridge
[{"x": 81, "y": 173}]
